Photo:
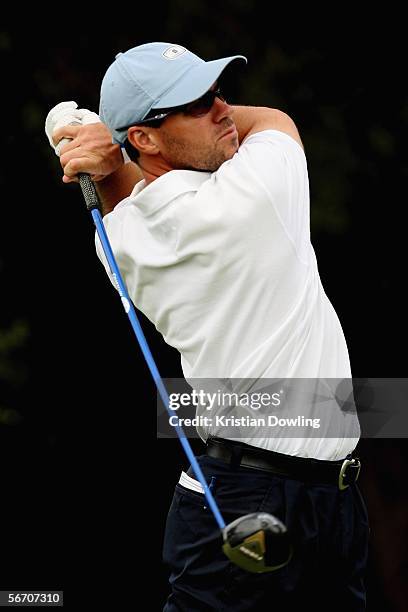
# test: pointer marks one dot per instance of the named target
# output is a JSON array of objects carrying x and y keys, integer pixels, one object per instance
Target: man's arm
[
  {"x": 117, "y": 186},
  {"x": 252, "y": 119}
]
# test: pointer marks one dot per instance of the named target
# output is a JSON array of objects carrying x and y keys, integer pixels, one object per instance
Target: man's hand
[
  {"x": 84, "y": 144},
  {"x": 90, "y": 150}
]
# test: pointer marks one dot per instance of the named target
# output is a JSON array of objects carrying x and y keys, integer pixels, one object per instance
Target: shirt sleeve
[{"x": 277, "y": 163}]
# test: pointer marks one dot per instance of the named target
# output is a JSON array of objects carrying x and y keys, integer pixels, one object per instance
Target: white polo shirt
[{"x": 222, "y": 264}]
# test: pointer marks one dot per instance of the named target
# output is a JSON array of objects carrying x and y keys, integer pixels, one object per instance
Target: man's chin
[{"x": 216, "y": 163}]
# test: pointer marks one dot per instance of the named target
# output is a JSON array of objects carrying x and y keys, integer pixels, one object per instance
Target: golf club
[{"x": 257, "y": 542}]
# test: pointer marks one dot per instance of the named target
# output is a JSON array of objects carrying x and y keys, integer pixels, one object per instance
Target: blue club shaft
[{"x": 92, "y": 202}]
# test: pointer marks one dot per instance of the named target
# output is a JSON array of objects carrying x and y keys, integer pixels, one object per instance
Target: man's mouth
[{"x": 232, "y": 130}]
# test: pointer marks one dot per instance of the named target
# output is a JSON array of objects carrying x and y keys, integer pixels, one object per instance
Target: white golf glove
[{"x": 67, "y": 113}]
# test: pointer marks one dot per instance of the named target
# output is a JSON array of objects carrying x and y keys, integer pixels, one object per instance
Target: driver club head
[{"x": 257, "y": 542}]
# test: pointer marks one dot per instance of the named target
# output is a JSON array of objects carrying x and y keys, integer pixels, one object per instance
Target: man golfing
[{"x": 210, "y": 229}]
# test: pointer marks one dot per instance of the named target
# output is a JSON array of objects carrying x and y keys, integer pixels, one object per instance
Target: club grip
[{"x": 89, "y": 192}]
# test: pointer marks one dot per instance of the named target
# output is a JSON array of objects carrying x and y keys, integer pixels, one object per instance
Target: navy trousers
[{"x": 329, "y": 530}]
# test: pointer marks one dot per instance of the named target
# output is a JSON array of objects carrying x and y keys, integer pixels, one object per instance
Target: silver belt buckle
[{"x": 343, "y": 469}]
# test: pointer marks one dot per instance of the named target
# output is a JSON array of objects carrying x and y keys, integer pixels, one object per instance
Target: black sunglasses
[{"x": 198, "y": 108}]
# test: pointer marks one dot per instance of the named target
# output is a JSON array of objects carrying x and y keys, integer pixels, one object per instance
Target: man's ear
[{"x": 143, "y": 139}]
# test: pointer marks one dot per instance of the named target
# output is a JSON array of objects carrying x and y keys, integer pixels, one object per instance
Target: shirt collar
[{"x": 150, "y": 198}]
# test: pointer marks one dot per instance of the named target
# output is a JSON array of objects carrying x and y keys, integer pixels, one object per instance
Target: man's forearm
[
  {"x": 117, "y": 186},
  {"x": 247, "y": 117},
  {"x": 253, "y": 119}
]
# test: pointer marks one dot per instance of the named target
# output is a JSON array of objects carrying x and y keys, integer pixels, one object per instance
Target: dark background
[{"x": 85, "y": 484}]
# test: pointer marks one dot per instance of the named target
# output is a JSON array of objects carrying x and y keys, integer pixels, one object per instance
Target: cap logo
[{"x": 174, "y": 52}]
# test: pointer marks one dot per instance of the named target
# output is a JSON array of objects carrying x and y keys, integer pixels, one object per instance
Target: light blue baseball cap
[{"x": 153, "y": 76}]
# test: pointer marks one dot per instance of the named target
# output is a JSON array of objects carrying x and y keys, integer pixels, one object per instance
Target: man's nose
[{"x": 221, "y": 110}]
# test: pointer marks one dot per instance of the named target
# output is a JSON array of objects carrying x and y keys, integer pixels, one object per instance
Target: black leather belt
[{"x": 342, "y": 473}]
